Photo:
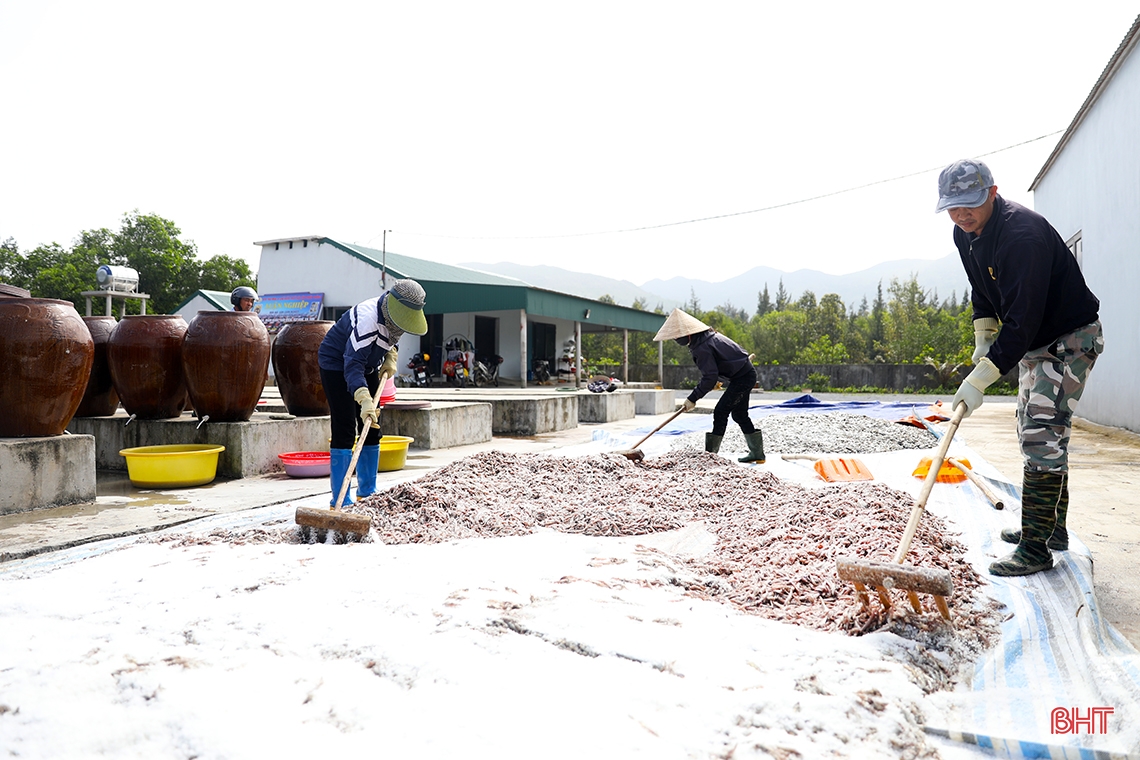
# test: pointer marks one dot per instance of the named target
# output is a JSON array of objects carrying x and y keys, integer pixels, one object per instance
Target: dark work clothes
[
  {"x": 344, "y": 412},
  {"x": 349, "y": 356},
  {"x": 717, "y": 356},
  {"x": 1022, "y": 273}
]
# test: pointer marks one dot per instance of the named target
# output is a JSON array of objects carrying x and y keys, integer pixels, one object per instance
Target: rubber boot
[
  {"x": 366, "y": 468},
  {"x": 755, "y": 443},
  {"x": 1040, "y": 494},
  {"x": 712, "y": 443},
  {"x": 1059, "y": 541},
  {"x": 339, "y": 460}
]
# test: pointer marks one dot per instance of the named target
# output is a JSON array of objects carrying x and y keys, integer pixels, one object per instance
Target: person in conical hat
[{"x": 717, "y": 356}]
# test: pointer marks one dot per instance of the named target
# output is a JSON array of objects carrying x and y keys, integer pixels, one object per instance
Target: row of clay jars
[
  {"x": 155, "y": 362},
  {"x": 46, "y": 354},
  {"x": 218, "y": 347},
  {"x": 220, "y": 360}
]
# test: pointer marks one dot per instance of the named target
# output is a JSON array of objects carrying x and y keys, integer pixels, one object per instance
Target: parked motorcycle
[
  {"x": 486, "y": 371},
  {"x": 421, "y": 372},
  {"x": 457, "y": 366},
  {"x": 540, "y": 368}
]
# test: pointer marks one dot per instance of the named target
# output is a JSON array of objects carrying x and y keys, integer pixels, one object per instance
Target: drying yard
[{"x": 524, "y": 599}]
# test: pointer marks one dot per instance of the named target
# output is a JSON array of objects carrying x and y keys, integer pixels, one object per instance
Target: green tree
[
  {"x": 782, "y": 299},
  {"x": 222, "y": 272},
  {"x": 763, "y": 302},
  {"x": 167, "y": 266},
  {"x": 822, "y": 351},
  {"x": 778, "y": 336},
  {"x": 11, "y": 264}
]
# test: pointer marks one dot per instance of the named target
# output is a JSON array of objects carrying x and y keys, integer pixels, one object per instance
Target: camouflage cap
[{"x": 963, "y": 184}]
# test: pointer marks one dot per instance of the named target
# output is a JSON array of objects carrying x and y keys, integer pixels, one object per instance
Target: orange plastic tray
[
  {"x": 843, "y": 468},
  {"x": 947, "y": 473}
]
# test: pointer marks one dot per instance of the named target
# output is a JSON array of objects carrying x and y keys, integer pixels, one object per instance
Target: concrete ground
[{"x": 1104, "y": 504}]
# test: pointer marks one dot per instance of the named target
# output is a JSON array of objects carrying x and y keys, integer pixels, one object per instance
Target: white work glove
[
  {"x": 367, "y": 406},
  {"x": 973, "y": 387},
  {"x": 688, "y": 406},
  {"x": 985, "y": 331},
  {"x": 389, "y": 366}
]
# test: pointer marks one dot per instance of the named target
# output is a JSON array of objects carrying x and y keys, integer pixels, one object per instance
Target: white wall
[
  {"x": 1094, "y": 188},
  {"x": 195, "y": 305},
  {"x": 344, "y": 279}
]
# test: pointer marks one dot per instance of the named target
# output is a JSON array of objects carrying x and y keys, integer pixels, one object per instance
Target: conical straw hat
[{"x": 678, "y": 325}]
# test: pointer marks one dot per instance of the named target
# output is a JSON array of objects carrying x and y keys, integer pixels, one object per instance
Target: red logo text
[{"x": 1072, "y": 720}]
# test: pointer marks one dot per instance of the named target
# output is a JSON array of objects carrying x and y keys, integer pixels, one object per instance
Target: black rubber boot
[
  {"x": 755, "y": 443},
  {"x": 712, "y": 443},
  {"x": 1040, "y": 495},
  {"x": 1059, "y": 541}
]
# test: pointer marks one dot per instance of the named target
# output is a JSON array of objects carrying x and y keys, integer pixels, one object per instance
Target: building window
[
  {"x": 333, "y": 313},
  {"x": 1076, "y": 247}
]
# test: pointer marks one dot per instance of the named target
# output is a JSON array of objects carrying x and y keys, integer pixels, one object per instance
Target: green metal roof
[
  {"x": 452, "y": 289},
  {"x": 218, "y": 298},
  {"x": 421, "y": 270}
]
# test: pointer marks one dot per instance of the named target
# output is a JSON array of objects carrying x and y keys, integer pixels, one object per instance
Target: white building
[
  {"x": 499, "y": 315},
  {"x": 1089, "y": 189}
]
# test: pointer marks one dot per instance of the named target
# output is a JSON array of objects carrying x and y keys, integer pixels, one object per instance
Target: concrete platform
[
  {"x": 251, "y": 447},
  {"x": 652, "y": 400},
  {"x": 513, "y": 412},
  {"x": 444, "y": 425},
  {"x": 46, "y": 471},
  {"x": 606, "y": 407}
]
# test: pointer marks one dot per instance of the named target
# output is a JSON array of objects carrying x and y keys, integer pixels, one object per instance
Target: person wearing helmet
[
  {"x": 361, "y": 342},
  {"x": 243, "y": 298},
  {"x": 717, "y": 356}
]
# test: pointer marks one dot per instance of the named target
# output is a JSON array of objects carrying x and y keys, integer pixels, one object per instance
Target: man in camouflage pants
[{"x": 1032, "y": 309}]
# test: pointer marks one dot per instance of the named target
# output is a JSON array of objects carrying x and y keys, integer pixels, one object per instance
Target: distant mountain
[
  {"x": 943, "y": 276},
  {"x": 579, "y": 284}
]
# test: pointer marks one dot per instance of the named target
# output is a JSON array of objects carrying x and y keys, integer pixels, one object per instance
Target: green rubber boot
[
  {"x": 1040, "y": 494},
  {"x": 712, "y": 443},
  {"x": 1059, "y": 541},
  {"x": 755, "y": 443}
]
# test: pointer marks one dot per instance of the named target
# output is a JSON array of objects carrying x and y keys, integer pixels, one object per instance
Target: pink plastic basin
[{"x": 305, "y": 464}]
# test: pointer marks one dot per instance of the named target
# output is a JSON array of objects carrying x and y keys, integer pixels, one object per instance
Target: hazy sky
[{"x": 495, "y": 131}]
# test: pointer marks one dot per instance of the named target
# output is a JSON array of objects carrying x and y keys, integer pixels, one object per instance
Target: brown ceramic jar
[
  {"x": 296, "y": 370},
  {"x": 145, "y": 357},
  {"x": 100, "y": 398},
  {"x": 45, "y": 357},
  {"x": 225, "y": 359}
]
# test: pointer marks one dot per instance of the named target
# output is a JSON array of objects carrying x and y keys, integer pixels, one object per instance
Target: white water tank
[{"x": 119, "y": 279}]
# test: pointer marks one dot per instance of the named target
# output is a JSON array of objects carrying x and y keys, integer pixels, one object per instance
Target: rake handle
[
  {"x": 358, "y": 447},
  {"x": 977, "y": 481},
  {"x": 928, "y": 483},
  {"x": 674, "y": 416}
]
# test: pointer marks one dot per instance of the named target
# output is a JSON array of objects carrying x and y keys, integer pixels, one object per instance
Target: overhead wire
[{"x": 729, "y": 215}]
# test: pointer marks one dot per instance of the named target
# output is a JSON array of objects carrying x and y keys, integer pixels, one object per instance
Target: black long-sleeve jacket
[
  {"x": 1022, "y": 273},
  {"x": 716, "y": 357}
]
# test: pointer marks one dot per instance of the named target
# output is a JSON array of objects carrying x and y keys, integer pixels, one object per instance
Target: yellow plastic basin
[
  {"x": 174, "y": 466},
  {"x": 393, "y": 452}
]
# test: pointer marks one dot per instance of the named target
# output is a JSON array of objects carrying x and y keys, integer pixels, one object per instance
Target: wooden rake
[{"x": 884, "y": 576}]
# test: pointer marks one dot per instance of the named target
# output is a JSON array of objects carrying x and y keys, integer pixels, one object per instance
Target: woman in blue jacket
[
  {"x": 364, "y": 339},
  {"x": 717, "y": 356}
]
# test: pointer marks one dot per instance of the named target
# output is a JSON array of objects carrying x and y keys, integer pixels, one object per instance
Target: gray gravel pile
[{"x": 824, "y": 433}]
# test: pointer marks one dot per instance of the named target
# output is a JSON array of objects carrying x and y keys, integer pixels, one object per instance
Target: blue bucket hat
[{"x": 963, "y": 184}]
